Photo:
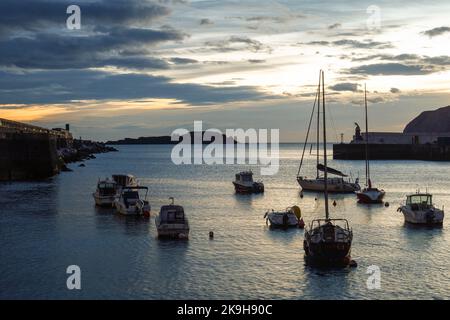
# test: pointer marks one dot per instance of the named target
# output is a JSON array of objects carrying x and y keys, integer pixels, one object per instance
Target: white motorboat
[
  {"x": 172, "y": 222},
  {"x": 106, "y": 193},
  {"x": 291, "y": 217},
  {"x": 369, "y": 194},
  {"x": 419, "y": 209},
  {"x": 244, "y": 183},
  {"x": 327, "y": 241},
  {"x": 130, "y": 202}
]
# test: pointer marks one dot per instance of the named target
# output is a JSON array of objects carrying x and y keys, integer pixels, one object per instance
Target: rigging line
[
  {"x": 332, "y": 122},
  {"x": 307, "y": 134}
]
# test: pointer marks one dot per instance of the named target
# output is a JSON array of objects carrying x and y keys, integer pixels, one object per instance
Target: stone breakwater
[{"x": 31, "y": 153}]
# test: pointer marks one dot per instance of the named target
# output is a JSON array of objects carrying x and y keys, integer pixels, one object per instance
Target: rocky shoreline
[{"x": 81, "y": 150}]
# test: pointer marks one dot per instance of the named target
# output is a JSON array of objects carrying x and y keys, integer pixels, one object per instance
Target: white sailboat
[
  {"x": 336, "y": 184},
  {"x": 369, "y": 194}
]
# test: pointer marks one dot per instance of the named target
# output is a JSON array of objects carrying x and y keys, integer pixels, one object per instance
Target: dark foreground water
[{"x": 47, "y": 226}]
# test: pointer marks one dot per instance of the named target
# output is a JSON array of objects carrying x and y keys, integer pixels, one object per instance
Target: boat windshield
[{"x": 424, "y": 199}]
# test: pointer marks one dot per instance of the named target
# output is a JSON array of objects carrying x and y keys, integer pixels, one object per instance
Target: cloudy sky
[{"x": 139, "y": 68}]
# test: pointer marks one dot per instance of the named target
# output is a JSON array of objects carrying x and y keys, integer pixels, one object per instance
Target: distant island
[{"x": 164, "y": 140}]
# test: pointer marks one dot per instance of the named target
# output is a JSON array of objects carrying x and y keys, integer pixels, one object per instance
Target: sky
[{"x": 143, "y": 68}]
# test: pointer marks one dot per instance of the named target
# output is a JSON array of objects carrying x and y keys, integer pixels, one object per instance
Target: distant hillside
[
  {"x": 435, "y": 121},
  {"x": 158, "y": 140}
]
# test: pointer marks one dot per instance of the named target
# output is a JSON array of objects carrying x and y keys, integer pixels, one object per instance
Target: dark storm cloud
[
  {"x": 345, "y": 86},
  {"x": 392, "y": 69},
  {"x": 206, "y": 22},
  {"x": 36, "y": 14},
  {"x": 177, "y": 60},
  {"x": 355, "y": 44},
  {"x": 412, "y": 63},
  {"x": 436, "y": 31},
  {"x": 236, "y": 43},
  {"x": 46, "y": 87},
  {"x": 334, "y": 26},
  {"x": 256, "y": 61},
  {"x": 53, "y": 51}
]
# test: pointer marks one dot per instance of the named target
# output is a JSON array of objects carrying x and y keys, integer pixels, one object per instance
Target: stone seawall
[
  {"x": 430, "y": 152},
  {"x": 28, "y": 156}
]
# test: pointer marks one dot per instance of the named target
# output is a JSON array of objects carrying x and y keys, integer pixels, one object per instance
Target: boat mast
[
  {"x": 318, "y": 129},
  {"x": 325, "y": 150},
  {"x": 309, "y": 129},
  {"x": 367, "y": 139}
]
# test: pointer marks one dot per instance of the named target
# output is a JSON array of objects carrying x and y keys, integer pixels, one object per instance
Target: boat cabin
[
  {"x": 124, "y": 180},
  {"x": 107, "y": 188},
  {"x": 172, "y": 214},
  {"x": 130, "y": 195},
  {"x": 244, "y": 176},
  {"x": 419, "y": 201}
]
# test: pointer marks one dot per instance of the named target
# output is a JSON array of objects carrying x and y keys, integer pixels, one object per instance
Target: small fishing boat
[
  {"x": 172, "y": 222},
  {"x": 369, "y": 194},
  {"x": 420, "y": 210},
  {"x": 130, "y": 202},
  {"x": 244, "y": 183},
  {"x": 291, "y": 217},
  {"x": 327, "y": 241},
  {"x": 106, "y": 193}
]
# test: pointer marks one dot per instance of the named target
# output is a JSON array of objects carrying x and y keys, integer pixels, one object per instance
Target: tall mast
[
  {"x": 327, "y": 214},
  {"x": 367, "y": 139},
  {"x": 318, "y": 129}
]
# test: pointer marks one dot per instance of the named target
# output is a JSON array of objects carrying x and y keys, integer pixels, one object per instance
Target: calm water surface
[{"x": 49, "y": 225}]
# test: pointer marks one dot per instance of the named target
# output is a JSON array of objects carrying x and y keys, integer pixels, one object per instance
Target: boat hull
[
  {"x": 282, "y": 221},
  {"x": 327, "y": 254},
  {"x": 104, "y": 201},
  {"x": 318, "y": 185},
  {"x": 172, "y": 230},
  {"x": 431, "y": 217},
  {"x": 370, "y": 196},
  {"x": 255, "y": 187}
]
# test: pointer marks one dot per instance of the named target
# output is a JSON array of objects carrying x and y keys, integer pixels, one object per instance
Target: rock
[
  {"x": 64, "y": 168},
  {"x": 82, "y": 165},
  {"x": 436, "y": 121}
]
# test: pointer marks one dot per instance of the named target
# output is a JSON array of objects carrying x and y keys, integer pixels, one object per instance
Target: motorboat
[
  {"x": 125, "y": 180},
  {"x": 369, "y": 194},
  {"x": 106, "y": 193},
  {"x": 420, "y": 210},
  {"x": 130, "y": 202},
  {"x": 338, "y": 184},
  {"x": 172, "y": 222},
  {"x": 327, "y": 241},
  {"x": 244, "y": 183},
  {"x": 291, "y": 217}
]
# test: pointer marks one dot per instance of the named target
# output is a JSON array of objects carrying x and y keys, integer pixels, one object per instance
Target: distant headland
[{"x": 164, "y": 140}]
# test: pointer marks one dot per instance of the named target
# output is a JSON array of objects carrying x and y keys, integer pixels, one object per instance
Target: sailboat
[
  {"x": 369, "y": 194},
  {"x": 327, "y": 241},
  {"x": 336, "y": 184}
]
